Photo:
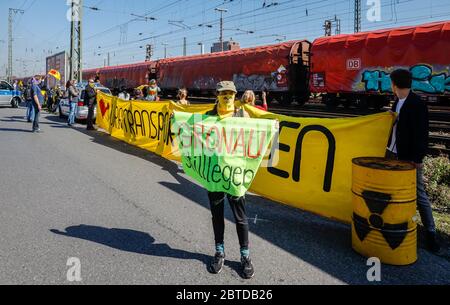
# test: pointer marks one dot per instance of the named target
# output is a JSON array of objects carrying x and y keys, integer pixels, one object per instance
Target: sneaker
[
  {"x": 247, "y": 267},
  {"x": 37, "y": 131},
  {"x": 432, "y": 243},
  {"x": 216, "y": 264},
  {"x": 91, "y": 128}
]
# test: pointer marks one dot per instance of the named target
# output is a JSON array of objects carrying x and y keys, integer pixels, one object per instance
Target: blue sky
[{"x": 44, "y": 29}]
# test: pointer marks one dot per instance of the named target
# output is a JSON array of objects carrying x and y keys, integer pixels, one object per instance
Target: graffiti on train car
[{"x": 424, "y": 80}]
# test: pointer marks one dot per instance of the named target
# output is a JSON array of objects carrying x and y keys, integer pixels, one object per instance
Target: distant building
[{"x": 227, "y": 46}]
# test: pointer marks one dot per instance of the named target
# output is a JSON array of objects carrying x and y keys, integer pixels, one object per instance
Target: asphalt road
[{"x": 131, "y": 217}]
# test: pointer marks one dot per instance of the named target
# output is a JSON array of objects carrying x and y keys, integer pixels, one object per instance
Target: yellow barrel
[{"x": 384, "y": 208}]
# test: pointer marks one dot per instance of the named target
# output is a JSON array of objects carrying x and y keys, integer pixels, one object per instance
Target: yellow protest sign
[
  {"x": 143, "y": 124},
  {"x": 311, "y": 164},
  {"x": 311, "y": 159}
]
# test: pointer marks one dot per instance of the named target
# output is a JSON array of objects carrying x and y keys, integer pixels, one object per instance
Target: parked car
[
  {"x": 82, "y": 109},
  {"x": 9, "y": 96}
]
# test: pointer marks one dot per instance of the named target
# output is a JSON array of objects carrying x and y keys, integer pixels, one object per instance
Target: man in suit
[{"x": 409, "y": 142}]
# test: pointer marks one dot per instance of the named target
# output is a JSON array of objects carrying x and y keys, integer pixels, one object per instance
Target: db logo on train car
[{"x": 354, "y": 64}]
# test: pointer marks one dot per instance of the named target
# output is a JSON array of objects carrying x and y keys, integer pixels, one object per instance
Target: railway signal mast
[
  {"x": 149, "y": 52},
  {"x": 328, "y": 26},
  {"x": 12, "y": 13}
]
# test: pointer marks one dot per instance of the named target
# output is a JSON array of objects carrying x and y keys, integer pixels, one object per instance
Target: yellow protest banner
[
  {"x": 311, "y": 160},
  {"x": 310, "y": 167},
  {"x": 141, "y": 123}
]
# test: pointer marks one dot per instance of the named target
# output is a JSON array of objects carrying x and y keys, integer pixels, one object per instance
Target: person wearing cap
[
  {"x": 152, "y": 91},
  {"x": 225, "y": 108}
]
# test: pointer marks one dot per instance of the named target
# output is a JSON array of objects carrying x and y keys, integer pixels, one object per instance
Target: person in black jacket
[
  {"x": 91, "y": 98},
  {"x": 409, "y": 142}
]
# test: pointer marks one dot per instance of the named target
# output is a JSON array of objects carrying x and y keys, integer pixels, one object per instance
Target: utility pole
[
  {"x": 12, "y": 12},
  {"x": 357, "y": 16},
  {"x": 221, "y": 10},
  {"x": 184, "y": 46},
  {"x": 76, "y": 38},
  {"x": 109, "y": 60}
]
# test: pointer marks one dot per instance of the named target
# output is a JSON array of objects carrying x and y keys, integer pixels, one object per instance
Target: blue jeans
[
  {"x": 30, "y": 111},
  {"x": 423, "y": 203},
  {"x": 72, "y": 114}
]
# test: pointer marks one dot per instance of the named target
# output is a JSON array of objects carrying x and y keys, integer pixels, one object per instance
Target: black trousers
[
  {"x": 217, "y": 201},
  {"x": 90, "y": 117},
  {"x": 37, "y": 114}
]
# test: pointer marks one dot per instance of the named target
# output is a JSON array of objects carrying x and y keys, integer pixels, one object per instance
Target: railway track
[{"x": 439, "y": 119}]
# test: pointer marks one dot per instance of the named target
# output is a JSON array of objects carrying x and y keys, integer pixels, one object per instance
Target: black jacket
[
  {"x": 412, "y": 129},
  {"x": 90, "y": 96}
]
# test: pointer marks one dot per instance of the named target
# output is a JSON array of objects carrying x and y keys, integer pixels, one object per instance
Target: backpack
[{"x": 28, "y": 93}]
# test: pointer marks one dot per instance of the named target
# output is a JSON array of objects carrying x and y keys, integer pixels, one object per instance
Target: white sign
[{"x": 354, "y": 64}]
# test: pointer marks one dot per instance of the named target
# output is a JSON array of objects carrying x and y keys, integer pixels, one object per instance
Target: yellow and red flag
[{"x": 55, "y": 74}]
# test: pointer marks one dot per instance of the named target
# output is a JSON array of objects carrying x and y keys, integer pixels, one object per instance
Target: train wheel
[
  {"x": 329, "y": 101},
  {"x": 269, "y": 99},
  {"x": 346, "y": 104},
  {"x": 363, "y": 103},
  {"x": 285, "y": 99},
  {"x": 303, "y": 99},
  {"x": 378, "y": 102}
]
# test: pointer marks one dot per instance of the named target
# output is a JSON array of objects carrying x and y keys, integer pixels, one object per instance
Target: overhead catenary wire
[{"x": 258, "y": 24}]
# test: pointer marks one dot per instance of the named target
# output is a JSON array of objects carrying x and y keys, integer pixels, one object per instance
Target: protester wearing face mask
[{"x": 225, "y": 108}]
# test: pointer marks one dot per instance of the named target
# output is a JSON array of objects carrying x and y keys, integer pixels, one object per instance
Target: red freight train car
[
  {"x": 282, "y": 70},
  {"x": 117, "y": 77},
  {"x": 355, "y": 68}
]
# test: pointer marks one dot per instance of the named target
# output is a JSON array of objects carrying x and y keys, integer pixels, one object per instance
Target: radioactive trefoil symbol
[{"x": 376, "y": 202}]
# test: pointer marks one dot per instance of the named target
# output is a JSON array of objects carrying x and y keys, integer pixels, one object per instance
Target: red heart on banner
[{"x": 103, "y": 107}]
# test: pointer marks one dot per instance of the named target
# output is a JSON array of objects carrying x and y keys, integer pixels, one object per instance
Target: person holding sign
[
  {"x": 226, "y": 94},
  {"x": 223, "y": 150}
]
